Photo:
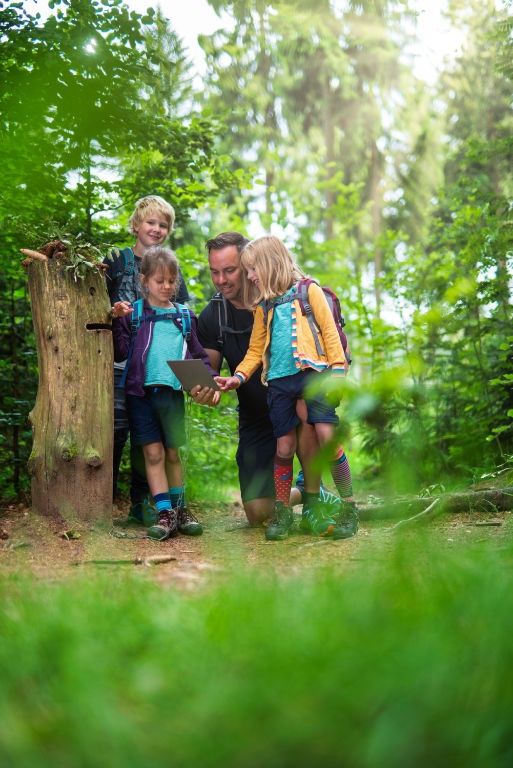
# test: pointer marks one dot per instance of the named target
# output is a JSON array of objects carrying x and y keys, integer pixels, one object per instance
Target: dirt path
[{"x": 35, "y": 545}]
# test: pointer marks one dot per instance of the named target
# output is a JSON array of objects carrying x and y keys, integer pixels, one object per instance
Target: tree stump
[{"x": 72, "y": 419}]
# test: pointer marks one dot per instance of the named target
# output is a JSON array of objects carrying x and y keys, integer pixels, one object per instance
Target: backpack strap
[
  {"x": 222, "y": 315},
  {"x": 180, "y": 316},
  {"x": 222, "y": 320},
  {"x": 136, "y": 317},
  {"x": 306, "y": 310},
  {"x": 185, "y": 320},
  {"x": 268, "y": 304},
  {"x": 128, "y": 261},
  {"x": 135, "y": 322},
  {"x": 123, "y": 263}
]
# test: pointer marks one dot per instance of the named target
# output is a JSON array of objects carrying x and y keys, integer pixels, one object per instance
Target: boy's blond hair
[
  {"x": 149, "y": 206},
  {"x": 275, "y": 267}
]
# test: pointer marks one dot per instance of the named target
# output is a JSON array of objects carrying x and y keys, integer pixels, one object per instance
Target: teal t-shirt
[
  {"x": 281, "y": 360},
  {"x": 167, "y": 343}
]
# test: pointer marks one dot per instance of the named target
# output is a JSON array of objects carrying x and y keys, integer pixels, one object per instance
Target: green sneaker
[
  {"x": 187, "y": 523},
  {"x": 347, "y": 520},
  {"x": 167, "y": 525},
  {"x": 279, "y": 527},
  {"x": 143, "y": 512},
  {"x": 325, "y": 496},
  {"x": 313, "y": 520}
]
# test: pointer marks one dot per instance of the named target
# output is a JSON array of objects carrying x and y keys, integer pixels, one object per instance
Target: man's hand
[
  {"x": 205, "y": 396},
  {"x": 121, "y": 309}
]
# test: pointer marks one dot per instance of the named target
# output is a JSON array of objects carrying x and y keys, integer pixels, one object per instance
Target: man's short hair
[{"x": 225, "y": 239}]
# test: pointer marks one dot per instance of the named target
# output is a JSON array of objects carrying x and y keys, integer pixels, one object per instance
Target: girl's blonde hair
[
  {"x": 275, "y": 268},
  {"x": 159, "y": 258},
  {"x": 151, "y": 205}
]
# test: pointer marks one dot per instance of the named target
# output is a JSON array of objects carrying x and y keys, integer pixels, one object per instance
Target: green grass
[{"x": 406, "y": 660}]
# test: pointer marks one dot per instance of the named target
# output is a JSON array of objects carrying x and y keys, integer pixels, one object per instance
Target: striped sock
[
  {"x": 177, "y": 496},
  {"x": 283, "y": 478},
  {"x": 162, "y": 501},
  {"x": 341, "y": 475}
]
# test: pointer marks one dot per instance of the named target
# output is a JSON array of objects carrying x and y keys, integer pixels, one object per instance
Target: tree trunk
[{"x": 72, "y": 420}]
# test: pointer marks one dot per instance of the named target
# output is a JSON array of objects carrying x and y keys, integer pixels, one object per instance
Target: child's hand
[
  {"x": 225, "y": 383},
  {"x": 205, "y": 395},
  {"x": 121, "y": 309}
]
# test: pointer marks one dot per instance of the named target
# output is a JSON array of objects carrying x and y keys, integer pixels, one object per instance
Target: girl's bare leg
[
  {"x": 340, "y": 466},
  {"x": 308, "y": 448},
  {"x": 154, "y": 461},
  {"x": 173, "y": 468}
]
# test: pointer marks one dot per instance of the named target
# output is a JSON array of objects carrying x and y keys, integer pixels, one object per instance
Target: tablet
[{"x": 191, "y": 373}]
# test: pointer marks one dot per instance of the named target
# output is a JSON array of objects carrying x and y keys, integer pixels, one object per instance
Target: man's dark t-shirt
[{"x": 235, "y": 342}]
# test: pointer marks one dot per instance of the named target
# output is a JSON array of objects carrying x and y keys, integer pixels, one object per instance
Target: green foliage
[
  {"x": 83, "y": 257},
  {"x": 312, "y": 669},
  {"x": 212, "y": 439}
]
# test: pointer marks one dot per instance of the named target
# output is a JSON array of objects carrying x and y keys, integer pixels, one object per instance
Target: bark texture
[{"x": 72, "y": 420}]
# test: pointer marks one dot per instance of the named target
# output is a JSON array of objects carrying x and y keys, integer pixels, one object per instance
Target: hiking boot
[
  {"x": 143, "y": 512},
  {"x": 135, "y": 516},
  {"x": 187, "y": 523},
  {"x": 347, "y": 520},
  {"x": 167, "y": 525},
  {"x": 325, "y": 496},
  {"x": 313, "y": 520},
  {"x": 279, "y": 527},
  {"x": 328, "y": 499}
]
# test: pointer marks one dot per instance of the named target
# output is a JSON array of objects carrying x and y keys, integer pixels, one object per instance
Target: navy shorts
[
  {"x": 158, "y": 417},
  {"x": 255, "y": 459},
  {"x": 282, "y": 396}
]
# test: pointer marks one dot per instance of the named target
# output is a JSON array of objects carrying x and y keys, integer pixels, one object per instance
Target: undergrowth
[{"x": 405, "y": 660}]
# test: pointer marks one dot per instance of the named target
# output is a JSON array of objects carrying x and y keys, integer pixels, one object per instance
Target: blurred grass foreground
[{"x": 403, "y": 660}]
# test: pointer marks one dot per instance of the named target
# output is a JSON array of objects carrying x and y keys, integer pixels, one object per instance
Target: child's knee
[
  {"x": 153, "y": 454},
  {"x": 286, "y": 445}
]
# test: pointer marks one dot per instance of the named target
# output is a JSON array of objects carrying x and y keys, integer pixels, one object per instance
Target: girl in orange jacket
[{"x": 282, "y": 342}]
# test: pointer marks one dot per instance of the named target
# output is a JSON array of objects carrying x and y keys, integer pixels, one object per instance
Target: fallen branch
[
  {"x": 427, "y": 514},
  {"x": 488, "y": 500},
  {"x": 488, "y": 523},
  {"x": 150, "y": 560}
]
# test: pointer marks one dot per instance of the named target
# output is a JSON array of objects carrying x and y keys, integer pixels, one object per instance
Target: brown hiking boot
[
  {"x": 187, "y": 523},
  {"x": 347, "y": 520},
  {"x": 167, "y": 525}
]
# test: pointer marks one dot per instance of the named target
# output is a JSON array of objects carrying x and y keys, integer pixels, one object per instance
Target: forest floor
[{"x": 34, "y": 545}]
